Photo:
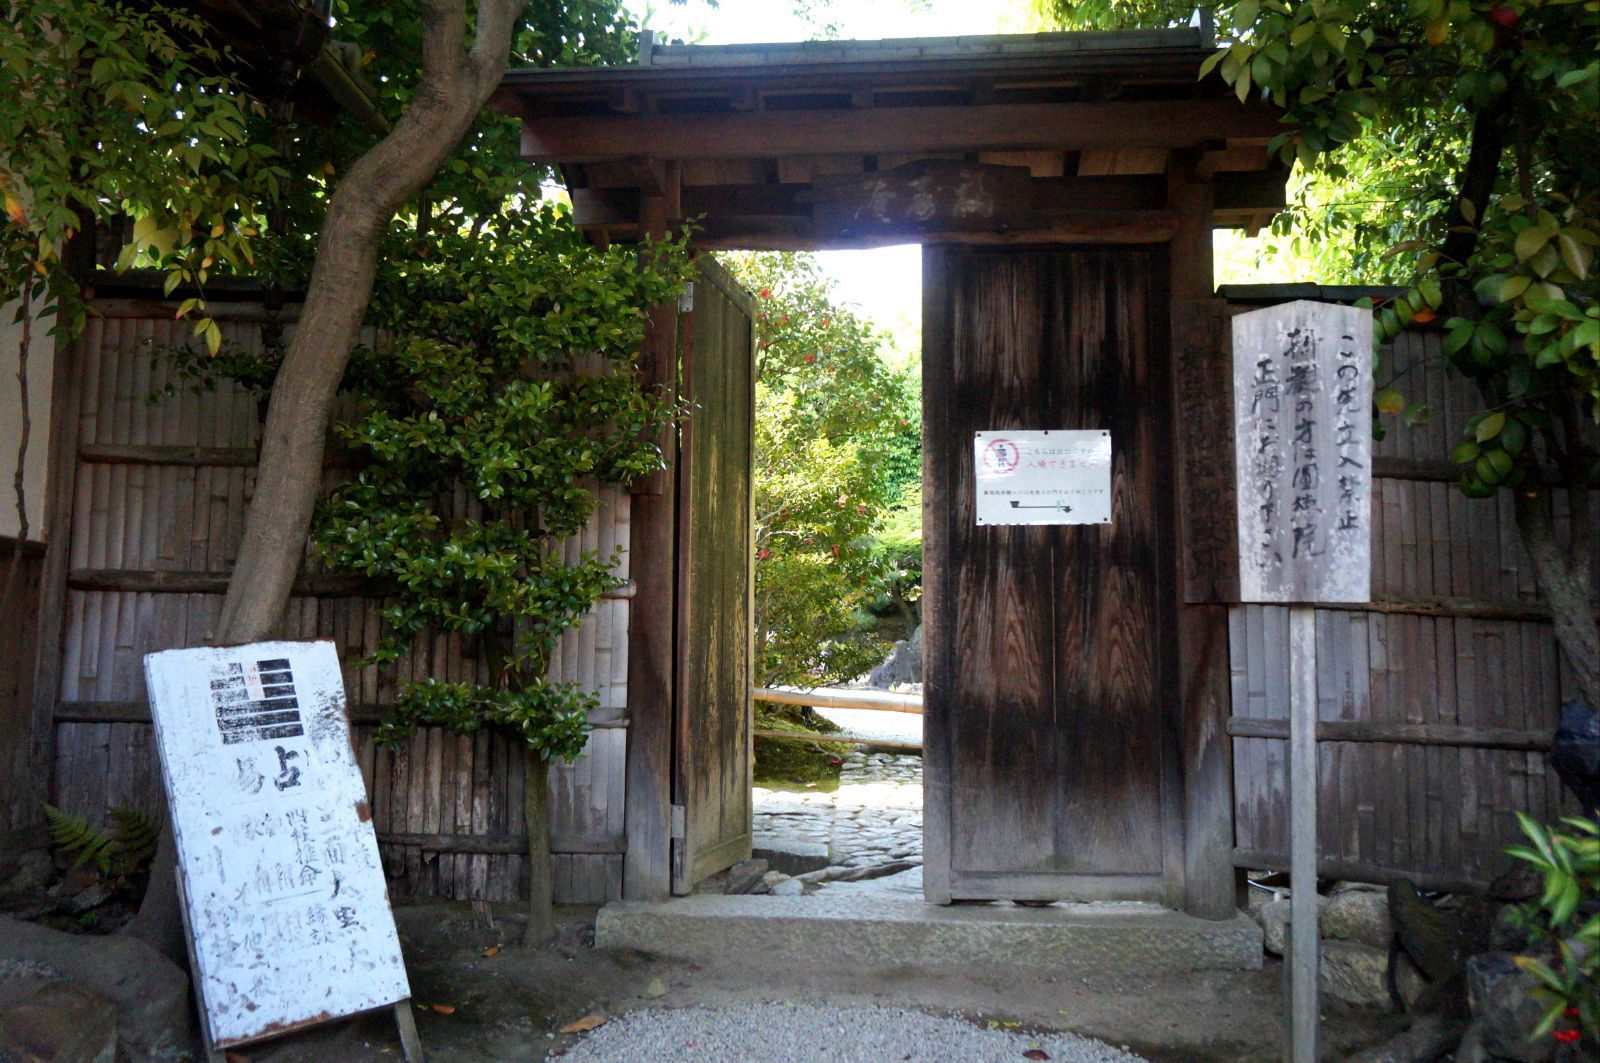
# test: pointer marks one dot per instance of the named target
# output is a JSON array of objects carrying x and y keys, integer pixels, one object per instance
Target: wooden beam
[
  {"x": 1402, "y": 734},
  {"x": 1108, "y": 162},
  {"x": 1456, "y": 608},
  {"x": 879, "y": 700},
  {"x": 139, "y": 712},
  {"x": 1329, "y": 867},
  {"x": 150, "y": 454},
  {"x": 1067, "y": 227},
  {"x": 165, "y": 581},
  {"x": 876, "y": 743},
  {"x": 999, "y": 127},
  {"x": 1250, "y": 193},
  {"x": 505, "y": 844}
]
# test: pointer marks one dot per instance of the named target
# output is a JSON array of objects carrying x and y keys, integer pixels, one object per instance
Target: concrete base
[{"x": 888, "y": 930}]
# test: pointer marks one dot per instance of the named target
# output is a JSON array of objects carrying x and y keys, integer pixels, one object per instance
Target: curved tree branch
[{"x": 454, "y": 87}]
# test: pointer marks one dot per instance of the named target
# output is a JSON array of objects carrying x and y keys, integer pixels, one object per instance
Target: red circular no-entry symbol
[{"x": 1001, "y": 457}]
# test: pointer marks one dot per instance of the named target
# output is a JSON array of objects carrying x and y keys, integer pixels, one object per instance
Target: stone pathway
[{"x": 873, "y": 820}]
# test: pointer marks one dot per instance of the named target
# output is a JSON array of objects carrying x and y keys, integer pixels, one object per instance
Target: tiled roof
[{"x": 1029, "y": 45}]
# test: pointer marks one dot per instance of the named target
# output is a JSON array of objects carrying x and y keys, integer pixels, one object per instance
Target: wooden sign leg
[
  {"x": 409, "y": 1041},
  {"x": 1304, "y": 965}
]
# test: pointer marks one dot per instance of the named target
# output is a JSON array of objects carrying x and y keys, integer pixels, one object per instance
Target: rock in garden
[
  {"x": 50, "y": 1019},
  {"x": 742, "y": 877},
  {"x": 903, "y": 665},
  {"x": 147, "y": 993},
  {"x": 1274, "y": 919},
  {"x": 1501, "y": 995},
  {"x": 1428, "y": 1037},
  {"x": 1355, "y": 974},
  {"x": 789, "y": 887},
  {"x": 791, "y": 855},
  {"x": 1357, "y": 915},
  {"x": 31, "y": 873}
]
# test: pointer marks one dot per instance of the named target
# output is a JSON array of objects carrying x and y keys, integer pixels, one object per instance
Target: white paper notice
[
  {"x": 1056, "y": 477},
  {"x": 286, "y": 899}
]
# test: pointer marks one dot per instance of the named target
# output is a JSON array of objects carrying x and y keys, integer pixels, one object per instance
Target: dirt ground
[{"x": 475, "y": 1003}]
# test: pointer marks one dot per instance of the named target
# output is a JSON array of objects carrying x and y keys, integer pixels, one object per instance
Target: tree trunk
[
  {"x": 14, "y": 581},
  {"x": 455, "y": 84},
  {"x": 536, "y": 815},
  {"x": 1565, "y": 578}
]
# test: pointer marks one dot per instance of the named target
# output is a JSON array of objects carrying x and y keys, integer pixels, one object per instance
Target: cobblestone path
[{"x": 873, "y": 818}]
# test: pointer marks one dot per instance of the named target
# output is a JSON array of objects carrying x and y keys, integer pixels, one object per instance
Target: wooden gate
[
  {"x": 713, "y": 724},
  {"x": 1049, "y": 693}
]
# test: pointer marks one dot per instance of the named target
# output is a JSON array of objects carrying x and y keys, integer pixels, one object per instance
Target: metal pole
[{"x": 1304, "y": 958}]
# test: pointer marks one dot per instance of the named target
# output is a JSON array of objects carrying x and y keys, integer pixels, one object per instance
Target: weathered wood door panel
[
  {"x": 714, "y": 717},
  {"x": 1048, "y": 699}
]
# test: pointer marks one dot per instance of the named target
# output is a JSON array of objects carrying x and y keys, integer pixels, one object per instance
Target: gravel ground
[
  {"x": 876, "y": 726},
  {"x": 789, "y": 1033}
]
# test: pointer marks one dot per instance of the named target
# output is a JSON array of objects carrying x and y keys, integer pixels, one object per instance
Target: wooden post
[
  {"x": 60, "y": 493},
  {"x": 410, "y": 1043},
  {"x": 1302, "y": 391},
  {"x": 1304, "y": 955},
  {"x": 1199, "y": 777},
  {"x": 647, "y": 871}
]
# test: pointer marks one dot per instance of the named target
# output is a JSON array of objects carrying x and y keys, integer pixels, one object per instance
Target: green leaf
[
  {"x": 1459, "y": 336},
  {"x": 1575, "y": 255},
  {"x": 1531, "y": 240},
  {"x": 1490, "y": 427},
  {"x": 1514, "y": 436},
  {"x": 1465, "y": 453},
  {"x": 1390, "y": 400}
]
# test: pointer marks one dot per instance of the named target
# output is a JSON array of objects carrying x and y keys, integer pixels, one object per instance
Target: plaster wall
[{"x": 41, "y": 366}]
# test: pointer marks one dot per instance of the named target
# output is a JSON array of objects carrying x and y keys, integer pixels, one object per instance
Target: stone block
[
  {"x": 1355, "y": 974},
  {"x": 865, "y": 929},
  {"x": 1357, "y": 915}
]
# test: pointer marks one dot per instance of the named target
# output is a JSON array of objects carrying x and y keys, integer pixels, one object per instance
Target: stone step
[{"x": 889, "y": 930}]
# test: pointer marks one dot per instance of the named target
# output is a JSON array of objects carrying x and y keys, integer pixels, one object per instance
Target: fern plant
[
  {"x": 125, "y": 850},
  {"x": 1567, "y": 915}
]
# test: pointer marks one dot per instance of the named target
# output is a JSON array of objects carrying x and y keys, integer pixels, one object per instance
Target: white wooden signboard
[
  {"x": 1054, "y": 477},
  {"x": 1302, "y": 394},
  {"x": 286, "y": 902},
  {"x": 1302, "y": 417}
]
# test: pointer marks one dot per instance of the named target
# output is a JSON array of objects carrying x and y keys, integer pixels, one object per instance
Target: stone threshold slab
[{"x": 868, "y": 930}]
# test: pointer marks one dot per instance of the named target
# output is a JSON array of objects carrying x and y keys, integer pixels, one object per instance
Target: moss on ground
[{"x": 783, "y": 763}]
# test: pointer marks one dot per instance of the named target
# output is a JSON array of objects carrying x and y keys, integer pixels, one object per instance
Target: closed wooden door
[
  {"x": 714, "y": 727},
  {"x": 1049, "y": 696}
]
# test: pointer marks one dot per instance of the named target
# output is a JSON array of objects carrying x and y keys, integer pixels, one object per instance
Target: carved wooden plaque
[{"x": 1302, "y": 415}]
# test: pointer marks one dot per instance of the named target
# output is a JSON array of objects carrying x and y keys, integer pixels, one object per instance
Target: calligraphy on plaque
[
  {"x": 284, "y": 894},
  {"x": 1303, "y": 432}
]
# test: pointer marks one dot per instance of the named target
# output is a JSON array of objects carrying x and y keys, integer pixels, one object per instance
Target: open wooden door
[
  {"x": 1050, "y": 702},
  {"x": 713, "y": 726}
]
